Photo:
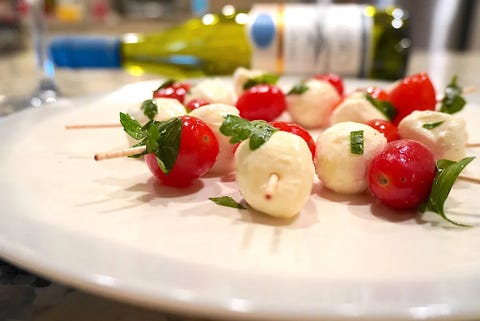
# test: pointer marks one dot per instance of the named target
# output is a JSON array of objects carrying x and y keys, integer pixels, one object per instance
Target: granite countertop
[{"x": 27, "y": 297}]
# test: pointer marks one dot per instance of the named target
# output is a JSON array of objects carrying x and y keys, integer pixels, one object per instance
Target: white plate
[{"x": 109, "y": 228}]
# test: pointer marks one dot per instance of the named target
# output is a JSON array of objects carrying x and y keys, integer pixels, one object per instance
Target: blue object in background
[
  {"x": 199, "y": 7},
  {"x": 263, "y": 30},
  {"x": 82, "y": 52}
]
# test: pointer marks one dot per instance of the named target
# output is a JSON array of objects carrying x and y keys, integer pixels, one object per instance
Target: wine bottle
[{"x": 348, "y": 39}]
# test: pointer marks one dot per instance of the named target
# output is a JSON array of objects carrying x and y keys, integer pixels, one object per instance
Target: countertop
[
  {"x": 18, "y": 75},
  {"x": 26, "y": 297}
]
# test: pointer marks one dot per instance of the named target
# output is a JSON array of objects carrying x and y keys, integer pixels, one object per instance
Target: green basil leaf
[
  {"x": 266, "y": 78},
  {"x": 298, "y": 89},
  {"x": 148, "y": 125},
  {"x": 385, "y": 107},
  {"x": 452, "y": 101},
  {"x": 149, "y": 108},
  {"x": 432, "y": 125},
  {"x": 240, "y": 129},
  {"x": 168, "y": 143},
  {"x": 447, "y": 173},
  {"x": 227, "y": 201},
  {"x": 160, "y": 138},
  {"x": 153, "y": 136},
  {"x": 166, "y": 83},
  {"x": 261, "y": 132},
  {"x": 162, "y": 165},
  {"x": 356, "y": 142},
  {"x": 444, "y": 164},
  {"x": 132, "y": 127}
]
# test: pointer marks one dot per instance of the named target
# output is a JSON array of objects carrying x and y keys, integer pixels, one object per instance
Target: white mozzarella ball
[
  {"x": 447, "y": 140},
  {"x": 241, "y": 76},
  {"x": 356, "y": 108},
  {"x": 213, "y": 90},
  {"x": 214, "y": 115},
  {"x": 166, "y": 109},
  {"x": 285, "y": 155},
  {"x": 169, "y": 108},
  {"x": 312, "y": 109},
  {"x": 336, "y": 166},
  {"x": 138, "y": 115}
]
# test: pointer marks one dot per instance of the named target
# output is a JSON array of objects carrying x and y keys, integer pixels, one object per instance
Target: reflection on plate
[{"x": 109, "y": 228}]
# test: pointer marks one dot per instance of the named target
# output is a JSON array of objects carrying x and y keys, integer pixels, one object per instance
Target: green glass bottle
[
  {"x": 391, "y": 43},
  {"x": 351, "y": 40},
  {"x": 214, "y": 44}
]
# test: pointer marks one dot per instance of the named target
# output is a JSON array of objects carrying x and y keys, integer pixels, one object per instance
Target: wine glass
[{"x": 46, "y": 90}]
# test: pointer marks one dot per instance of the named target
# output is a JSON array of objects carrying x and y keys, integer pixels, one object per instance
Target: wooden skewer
[
  {"x": 92, "y": 126},
  {"x": 469, "y": 90},
  {"x": 473, "y": 145},
  {"x": 469, "y": 179},
  {"x": 271, "y": 186},
  {"x": 120, "y": 153}
]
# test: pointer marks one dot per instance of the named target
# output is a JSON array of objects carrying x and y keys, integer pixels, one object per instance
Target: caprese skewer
[{"x": 275, "y": 167}]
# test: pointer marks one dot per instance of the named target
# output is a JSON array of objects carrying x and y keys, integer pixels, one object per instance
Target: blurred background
[
  {"x": 457, "y": 21},
  {"x": 436, "y": 27}
]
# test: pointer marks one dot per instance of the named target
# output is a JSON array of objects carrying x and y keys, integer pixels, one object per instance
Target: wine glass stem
[{"x": 45, "y": 66}]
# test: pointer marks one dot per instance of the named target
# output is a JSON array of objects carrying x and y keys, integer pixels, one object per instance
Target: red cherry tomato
[
  {"x": 389, "y": 130},
  {"x": 414, "y": 92},
  {"x": 334, "y": 79},
  {"x": 401, "y": 175},
  {"x": 297, "y": 130},
  {"x": 262, "y": 101},
  {"x": 197, "y": 153},
  {"x": 177, "y": 90},
  {"x": 195, "y": 103},
  {"x": 378, "y": 93}
]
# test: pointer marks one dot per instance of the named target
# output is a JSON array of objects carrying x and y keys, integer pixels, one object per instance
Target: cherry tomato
[
  {"x": 177, "y": 90},
  {"x": 196, "y": 155},
  {"x": 389, "y": 130},
  {"x": 414, "y": 92},
  {"x": 262, "y": 101},
  {"x": 195, "y": 103},
  {"x": 378, "y": 93},
  {"x": 298, "y": 130},
  {"x": 401, "y": 175},
  {"x": 334, "y": 79}
]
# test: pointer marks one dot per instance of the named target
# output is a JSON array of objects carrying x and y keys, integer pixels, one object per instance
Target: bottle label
[{"x": 306, "y": 39}]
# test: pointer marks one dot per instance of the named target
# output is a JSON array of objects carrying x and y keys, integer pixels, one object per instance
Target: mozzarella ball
[
  {"x": 447, "y": 140},
  {"x": 214, "y": 90},
  {"x": 312, "y": 109},
  {"x": 355, "y": 108},
  {"x": 241, "y": 76},
  {"x": 285, "y": 155},
  {"x": 336, "y": 166},
  {"x": 214, "y": 115},
  {"x": 166, "y": 109}
]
